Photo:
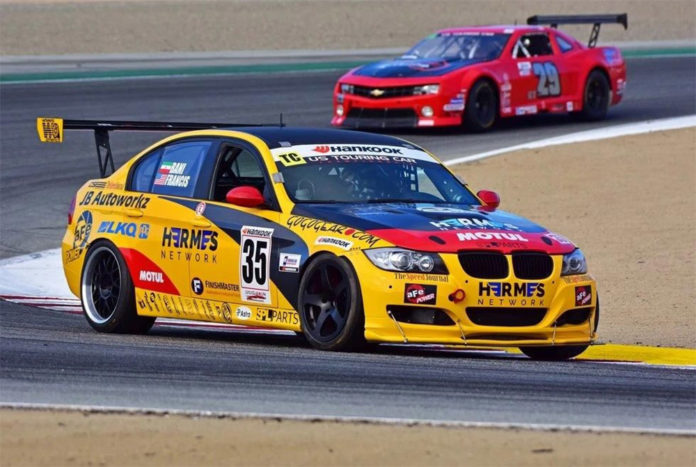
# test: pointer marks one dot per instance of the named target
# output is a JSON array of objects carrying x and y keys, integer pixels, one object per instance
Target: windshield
[
  {"x": 367, "y": 174},
  {"x": 464, "y": 46}
]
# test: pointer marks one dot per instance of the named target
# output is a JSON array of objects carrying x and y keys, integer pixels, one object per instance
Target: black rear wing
[
  {"x": 51, "y": 130},
  {"x": 594, "y": 20}
]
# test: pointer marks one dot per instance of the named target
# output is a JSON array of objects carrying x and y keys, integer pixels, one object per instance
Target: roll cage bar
[
  {"x": 51, "y": 130},
  {"x": 595, "y": 20}
]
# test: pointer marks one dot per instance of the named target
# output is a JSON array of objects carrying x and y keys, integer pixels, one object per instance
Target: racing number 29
[
  {"x": 255, "y": 254},
  {"x": 549, "y": 81}
]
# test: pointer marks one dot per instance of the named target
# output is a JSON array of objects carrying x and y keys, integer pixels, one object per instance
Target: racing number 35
[
  {"x": 255, "y": 253},
  {"x": 255, "y": 259},
  {"x": 549, "y": 81}
]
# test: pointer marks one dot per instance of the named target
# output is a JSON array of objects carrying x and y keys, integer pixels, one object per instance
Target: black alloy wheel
[
  {"x": 330, "y": 305},
  {"x": 481, "y": 107},
  {"x": 596, "y": 97},
  {"x": 107, "y": 292}
]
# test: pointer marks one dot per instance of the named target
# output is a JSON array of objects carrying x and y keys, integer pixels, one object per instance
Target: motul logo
[
  {"x": 151, "y": 276},
  {"x": 490, "y": 236},
  {"x": 322, "y": 149}
]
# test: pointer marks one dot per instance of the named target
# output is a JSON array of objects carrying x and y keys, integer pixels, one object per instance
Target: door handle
[
  {"x": 130, "y": 212},
  {"x": 201, "y": 223}
]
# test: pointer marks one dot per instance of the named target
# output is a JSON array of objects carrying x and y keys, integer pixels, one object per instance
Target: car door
[
  {"x": 165, "y": 236},
  {"x": 248, "y": 241},
  {"x": 538, "y": 85}
]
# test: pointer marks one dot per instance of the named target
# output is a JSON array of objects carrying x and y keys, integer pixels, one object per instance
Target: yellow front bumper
[{"x": 384, "y": 290}]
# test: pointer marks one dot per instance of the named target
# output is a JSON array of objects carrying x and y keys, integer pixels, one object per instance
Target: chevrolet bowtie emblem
[{"x": 377, "y": 92}]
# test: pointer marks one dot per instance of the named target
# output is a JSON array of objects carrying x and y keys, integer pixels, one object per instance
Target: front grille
[
  {"x": 383, "y": 93},
  {"x": 532, "y": 265},
  {"x": 484, "y": 316},
  {"x": 359, "y": 117},
  {"x": 484, "y": 265}
]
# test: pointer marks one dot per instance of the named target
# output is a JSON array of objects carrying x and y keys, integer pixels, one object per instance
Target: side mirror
[
  {"x": 490, "y": 198},
  {"x": 247, "y": 196}
]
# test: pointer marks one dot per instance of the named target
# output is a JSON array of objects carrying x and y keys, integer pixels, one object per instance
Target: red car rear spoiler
[
  {"x": 51, "y": 130},
  {"x": 594, "y": 20}
]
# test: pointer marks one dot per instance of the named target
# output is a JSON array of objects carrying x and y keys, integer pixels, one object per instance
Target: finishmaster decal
[{"x": 254, "y": 263}]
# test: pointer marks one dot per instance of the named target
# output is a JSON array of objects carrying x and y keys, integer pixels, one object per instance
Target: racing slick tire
[
  {"x": 596, "y": 97},
  {"x": 482, "y": 107},
  {"x": 330, "y": 305},
  {"x": 565, "y": 352},
  {"x": 107, "y": 294}
]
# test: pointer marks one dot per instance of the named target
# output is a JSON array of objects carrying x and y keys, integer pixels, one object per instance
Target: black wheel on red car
[
  {"x": 106, "y": 289},
  {"x": 330, "y": 304},
  {"x": 557, "y": 353},
  {"x": 595, "y": 102},
  {"x": 482, "y": 106}
]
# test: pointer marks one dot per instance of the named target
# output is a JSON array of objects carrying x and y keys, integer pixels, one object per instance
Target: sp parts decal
[
  {"x": 583, "y": 295},
  {"x": 81, "y": 234},
  {"x": 146, "y": 274},
  {"x": 420, "y": 294},
  {"x": 278, "y": 316},
  {"x": 254, "y": 263}
]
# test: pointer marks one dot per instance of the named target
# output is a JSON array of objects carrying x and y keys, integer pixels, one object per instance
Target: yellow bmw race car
[{"x": 346, "y": 237}]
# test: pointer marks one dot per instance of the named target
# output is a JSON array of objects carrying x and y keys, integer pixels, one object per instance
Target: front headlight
[
  {"x": 347, "y": 88},
  {"x": 398, "y": 259},
  {"x": 427, "y": 89},
  {"x": 574, "y": 263}
]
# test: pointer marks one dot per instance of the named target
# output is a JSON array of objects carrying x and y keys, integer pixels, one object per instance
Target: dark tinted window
[
  {"x": 459, "y": 46},
  {"x": 532, "y": 45},
  {"x": 179, "y": 167},
  {"x": 145, "y": 172},
  {"x": 237, "y": 167}
]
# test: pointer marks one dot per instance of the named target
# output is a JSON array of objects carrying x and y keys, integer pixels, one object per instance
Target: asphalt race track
[{"x": 50, "y": 357}]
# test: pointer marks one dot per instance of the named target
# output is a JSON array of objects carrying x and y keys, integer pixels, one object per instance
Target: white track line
[
  {"x": 627, "y": 129},
  {"x": 348, "y": 419}
]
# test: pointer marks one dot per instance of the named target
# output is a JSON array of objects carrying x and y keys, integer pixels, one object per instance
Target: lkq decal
[
  {"x": 583, "y": 295},
  {"x": 418, "y": 294},
  {"x": 511, "y": 294},
  {"x": 126, "y": 229}
]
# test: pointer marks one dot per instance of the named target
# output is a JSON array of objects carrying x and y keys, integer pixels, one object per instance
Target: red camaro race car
[{"x": 475, "y": 75}]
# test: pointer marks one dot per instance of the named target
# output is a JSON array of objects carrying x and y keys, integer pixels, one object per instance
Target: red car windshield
[{"x": 459, "y": 46}]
